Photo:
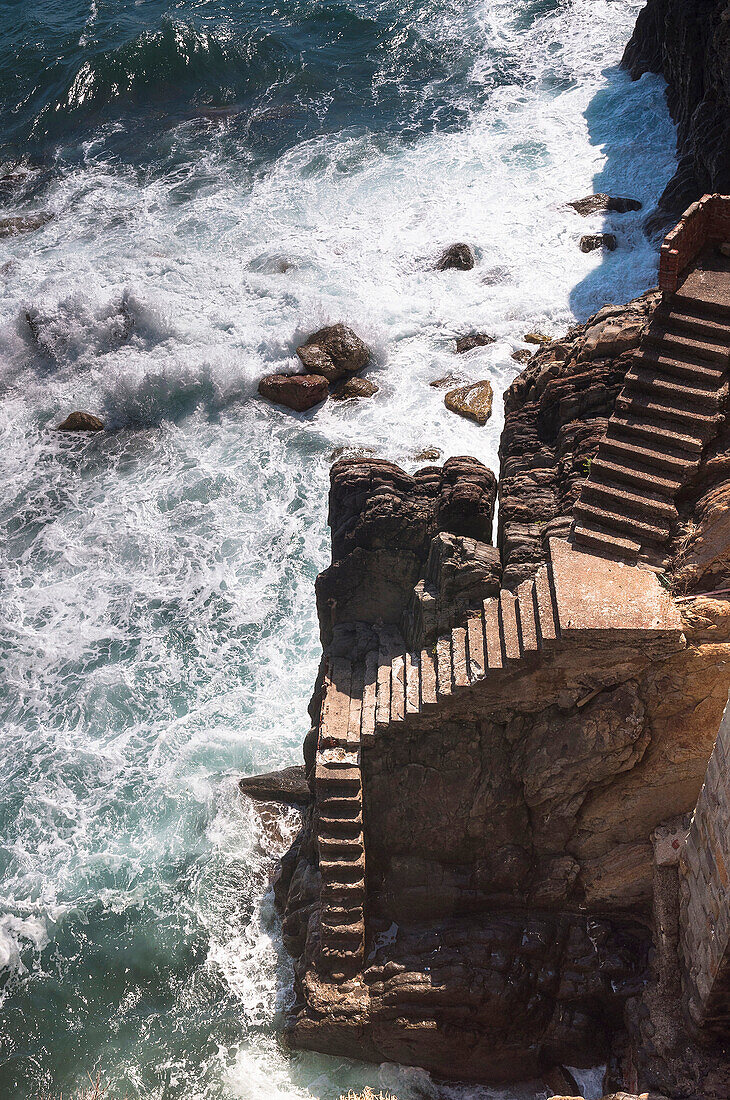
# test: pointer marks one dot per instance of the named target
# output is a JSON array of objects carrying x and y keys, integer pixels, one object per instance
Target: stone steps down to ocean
[{"x": 499, "y": 732}]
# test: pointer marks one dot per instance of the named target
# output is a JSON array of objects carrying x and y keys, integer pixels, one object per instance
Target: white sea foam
[{"x": 157, "y": 611}]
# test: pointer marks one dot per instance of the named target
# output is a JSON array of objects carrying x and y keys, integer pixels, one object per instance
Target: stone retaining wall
[{"x": 705, "y": 895}]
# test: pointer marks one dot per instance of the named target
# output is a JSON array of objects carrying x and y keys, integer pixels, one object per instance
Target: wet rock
[
  {"x": 460, "y": 257},
  {"x": 536, "y": 338},
  {"x": 473, "y": 401},
  {"x": 428, "y": 454},
  {"x": 352, "y": 450},
  {"x": 593, "y": 241},
  {"x": 446, "y": 380},
  {"x": 334, "y": 352},
  {"x": 521, "y": 355},
  {"x": 724, "y": 250},
  {"x": 295, "y": 391},
  {"x": 288, "y": 785},
  {"x": 28, "y": 223},
  {"x": 594, "y": 204},
  {"x": 474, "y": 340},
  {"x": 557, "y": 1079},
  {"x": 355, "y": 387},
  {"x": 81, "y": 422}
]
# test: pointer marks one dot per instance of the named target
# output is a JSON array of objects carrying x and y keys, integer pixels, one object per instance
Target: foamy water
[{"x": 157, "y": 622}]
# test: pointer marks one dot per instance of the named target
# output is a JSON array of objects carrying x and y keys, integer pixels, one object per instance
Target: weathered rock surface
[
  {"x": 474, "y": 340},
  {"x": 473, "y": 401},
  {"x": 334, "y": 352},
  {"x": 556, "y": 412},
  {"x": 688, "y": 42},
  {"x": 287, "y": 785},
  {"x": 599, "y": 203},
  {"x": 460, "y": 257},
  {"x": 81, "y": 422},
  {"x": 26, "y": 223},
  {"x": 354, "y": 387},
  {"x": 295, "y": 391},
  {"x": 594, "y": 241},
  {"x": 383, "y": 522}
]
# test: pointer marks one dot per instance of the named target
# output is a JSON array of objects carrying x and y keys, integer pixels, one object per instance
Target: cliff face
[{"x": 688, "y": 42}]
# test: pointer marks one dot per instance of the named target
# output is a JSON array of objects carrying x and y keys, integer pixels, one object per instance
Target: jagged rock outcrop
[
  {"x": 556, "y": 412},
  {"x": 688, "y": 42}
]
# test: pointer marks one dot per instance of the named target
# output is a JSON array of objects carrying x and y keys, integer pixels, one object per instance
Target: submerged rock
[
  {"x": 594, "y": 204},
  {"x": 474, "y": 340},
  {"x": 355, "y": 387},
  {"x": 428, "y": 454},
  {"x": 446, "y": 380},
  {"x": 473, "y": 401},
  {"x": 458, "y": 256},
  {"x": 295, "y": 391},
  {"x": 521, "y": 355},
  {"x": 81, "y": 422},
  {"x": 28, "y": 223},
  {"x": 288, "y": 785},
  {"x": 536, "y": 338},
  {"x": 598, "y": 240},
  {"x": 334, "y": 352}
]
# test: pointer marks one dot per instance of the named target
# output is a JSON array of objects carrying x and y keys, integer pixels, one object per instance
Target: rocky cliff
[{"x": 688, "y": 42}]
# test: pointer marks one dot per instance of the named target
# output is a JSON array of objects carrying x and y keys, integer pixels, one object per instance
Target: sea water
[{"x": 223, "y": 178}]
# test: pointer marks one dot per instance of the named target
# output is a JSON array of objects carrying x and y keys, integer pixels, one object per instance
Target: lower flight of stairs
[
  {"x": 389, "y": 685},
  {"x": 668, "y": 410}
]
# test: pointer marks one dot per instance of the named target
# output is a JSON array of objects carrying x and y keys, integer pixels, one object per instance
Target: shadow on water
[{"x": 630, "y": 122}]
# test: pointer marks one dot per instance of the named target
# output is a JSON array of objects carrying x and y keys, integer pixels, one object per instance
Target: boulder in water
[
  {"x": 598, "y": 240},
  {"x": 458, "y": 256},
  {"x": 595, "y": 204},
  {"x": 81, "y": 422},
  {"x": 536, "y": 338},
  {"x": 295, "y": 391},
  {"x": 473, "y": 401},
  {"x": 334, "y": 352},
  {"x": 446, "y": 380},
  {"x": 28, "y": 223},
  {"x": 355, "y": 387},
  {"x": 522, "y": 355},
  {"x": 288, "y": 785},
  {"x": 474, "y": 340}
]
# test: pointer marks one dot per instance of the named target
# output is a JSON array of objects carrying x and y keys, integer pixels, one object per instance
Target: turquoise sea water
[{"x": 224, "y": 177}]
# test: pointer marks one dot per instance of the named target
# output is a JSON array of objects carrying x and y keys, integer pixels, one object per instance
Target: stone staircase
[
  {"x": 574, "y": 596},
  {"x": 668, "y": 410}
]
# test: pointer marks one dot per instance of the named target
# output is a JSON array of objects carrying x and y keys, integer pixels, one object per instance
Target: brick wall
[
  {"x": 706, "y": 220},
  {"x": 704, "y": 876}
]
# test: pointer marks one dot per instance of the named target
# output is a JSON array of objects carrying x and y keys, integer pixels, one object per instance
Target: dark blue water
[{"x": 218, "y": 179}]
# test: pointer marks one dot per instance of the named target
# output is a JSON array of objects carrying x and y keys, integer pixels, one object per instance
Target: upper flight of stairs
[{"x": 669, "y": 409}]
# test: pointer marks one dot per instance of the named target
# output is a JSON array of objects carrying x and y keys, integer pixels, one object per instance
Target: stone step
[
  {"x": 345, "y": 827},
  {"x": 338, "y": 962},
  {"x": 413, "y": 683},
  {"x": 706, "y": 351},
  {"x": 337, "y": 779},
  {"x": 492, "y": 634},
  {"x": 350, "y": 934},
  {"x": 443, "y": 666},
  {"x": 720, "y": 314},
  {"x": 665, "y": 410},
  {"x": 345, "y": 895},
  {"x": 665, "y": 459},
  {"x": 344, "y": 870},
  {"x": 677, "y": 367},
  {"x": 369, "y": 697},
  {"x": 681, "y": 320},
  {"x": 634, "y": 474},
  {"x": 640, "y": 531},
  {"x": 340, "y": 849},
  {"x": 459, "y": 666},
  {"x": 334, "y": 718},
  {"x": 631, "y": 427},
  {"x": 644, "y": 381},
  {"x": 398, "y": 688},
  {"x": 346, "y": 804},
  {"x": 339, "y": 757},
  {"x": 609, "y": 494},
  {"x": 526, "y": 617},
  {"x": 509, "y": 631},
  {"x": 354, "y": 721},
  {"x": 545, "y": 617},
  {"x": 428, "y": 679},
  {"x": 475, "y": 643},
  {"x": 389, "y": 648},
  {"x": 598, "y": 538}
]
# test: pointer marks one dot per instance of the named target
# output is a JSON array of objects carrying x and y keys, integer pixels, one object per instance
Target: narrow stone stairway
[{"x": 669, "y": 409}]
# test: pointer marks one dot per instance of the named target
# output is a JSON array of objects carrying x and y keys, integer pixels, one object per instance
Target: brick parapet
[
  {"x": 704, "y": 221},
  {"x": 704, "y": 875}
]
